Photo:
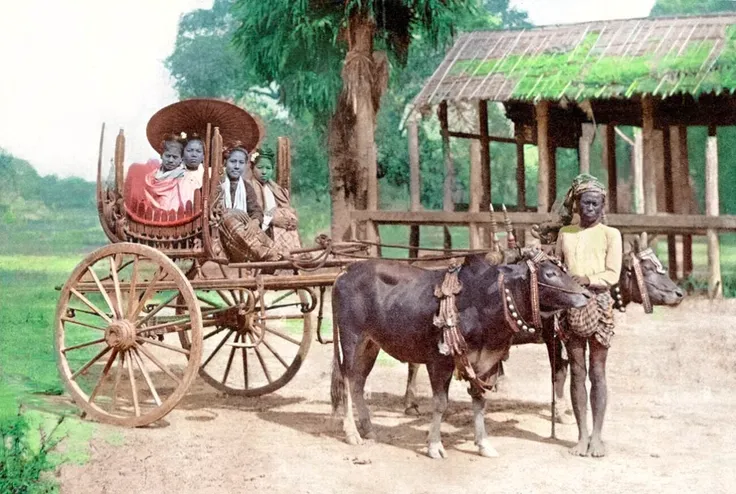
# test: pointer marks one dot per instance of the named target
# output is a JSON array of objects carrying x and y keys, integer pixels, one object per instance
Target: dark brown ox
[
  {"x": 647, "y": 284},
  {"x": 390, "y": 306}
]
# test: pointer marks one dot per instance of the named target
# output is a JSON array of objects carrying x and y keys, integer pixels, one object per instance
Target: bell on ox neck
[{"x": 532, "y": 330}]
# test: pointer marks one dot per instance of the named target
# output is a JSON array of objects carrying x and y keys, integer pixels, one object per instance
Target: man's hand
[{"x": 582, "y": 280}]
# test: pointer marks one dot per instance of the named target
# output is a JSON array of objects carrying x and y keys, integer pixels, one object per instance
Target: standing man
[{"x": 592, "y": 253}]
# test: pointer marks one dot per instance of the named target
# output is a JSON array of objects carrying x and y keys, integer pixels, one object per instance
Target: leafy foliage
[
  {"x": 22, "y": 465},
  {"x": 680, "y": 7}
]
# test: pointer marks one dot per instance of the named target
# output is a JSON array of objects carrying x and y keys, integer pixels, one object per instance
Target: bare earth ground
[{"x": 669, "y": 428}]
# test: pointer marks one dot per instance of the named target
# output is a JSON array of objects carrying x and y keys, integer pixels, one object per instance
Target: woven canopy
[{"x": 192, "y": 116}]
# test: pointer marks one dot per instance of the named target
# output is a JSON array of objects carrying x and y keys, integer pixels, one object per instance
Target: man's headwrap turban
[{"x": 581, "y": 184}]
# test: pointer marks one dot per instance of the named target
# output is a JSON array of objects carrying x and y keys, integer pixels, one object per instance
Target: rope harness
[{"x": 447, "y": 319}]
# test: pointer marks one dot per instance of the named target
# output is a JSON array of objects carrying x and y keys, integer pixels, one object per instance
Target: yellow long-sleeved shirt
[{"x": 594, "y": 252}]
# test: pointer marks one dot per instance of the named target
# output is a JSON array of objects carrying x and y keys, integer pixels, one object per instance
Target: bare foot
[
  {"x": 412, "y": 409},
  {"x": 436, "y": 451},
  {"x": 581, "y": 448},
  {"x": 354, "y": 439},
  {"x": 596, "y": 449}
]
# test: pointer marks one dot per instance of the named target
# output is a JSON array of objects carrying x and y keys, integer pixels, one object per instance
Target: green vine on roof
[{"x": 582, "y": 72}]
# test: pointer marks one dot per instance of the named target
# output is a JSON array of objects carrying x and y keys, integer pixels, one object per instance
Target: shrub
[{"x": 21, "y": 464}]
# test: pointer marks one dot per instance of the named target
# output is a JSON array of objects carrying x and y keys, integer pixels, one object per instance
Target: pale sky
[{"x": 68, "y": 65}]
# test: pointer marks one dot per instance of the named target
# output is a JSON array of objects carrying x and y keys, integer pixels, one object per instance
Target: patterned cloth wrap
[
  {"x": 244, "y": 240},
  {"x": 595, "y": 319}
]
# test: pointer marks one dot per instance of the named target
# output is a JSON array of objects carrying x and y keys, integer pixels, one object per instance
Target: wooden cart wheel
[
  {"x": 255, "y": 344},
  {"x": 116, "y": 354}
]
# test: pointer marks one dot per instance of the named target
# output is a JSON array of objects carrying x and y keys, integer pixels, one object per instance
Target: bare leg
[
  {"x": 481, "y": 438},
  {"x": 410, "y": 401},
  {"x": 576, "y": 350},
  {"x": 440, "y": 375},
  {"x": 365, "y": 358},
  {"x": 598, "y": 395},
  {"x": 349, "y": 349}
]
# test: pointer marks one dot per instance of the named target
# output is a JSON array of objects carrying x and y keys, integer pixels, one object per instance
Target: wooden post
[
  {"x": 414, "y": 182},
  {"x": 669, "y": 198},
  {"x": 684, "y": 186},
  {"x": 449, "y": 185},
  {"x": 586, "y": 139},
  {"x": 476, "y": 191},
  {"x": 485, "y": 155},
  {"x": 119, "y": 163},
  {"x": 283, "y": 163},
  {"x": 520, "y": 183},
  {"x": 543, "y": 148},
  {"x": 649, "y": 175},
  {"x": 609, "y": 161},
  {"x": 637, "y": 173},
  {"x": 715, "y": 288}
]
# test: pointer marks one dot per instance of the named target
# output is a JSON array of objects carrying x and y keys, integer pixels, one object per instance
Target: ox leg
[
  {"x": 363, "y": 364},
  {"x": 440, "y": 375},
  {"x": 410, "y": 401},
  {"x": 576, "y": 350},
  {"x": 350, "y": 348},
  {"x": 598, "y": 395},
  {"x": 563, "y": 412},
  {"x": 479, "y": 421}
]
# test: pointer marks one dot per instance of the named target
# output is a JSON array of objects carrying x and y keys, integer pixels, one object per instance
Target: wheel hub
[{"x": 120, "y": 334}]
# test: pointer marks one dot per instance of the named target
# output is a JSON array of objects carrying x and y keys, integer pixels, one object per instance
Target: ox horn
[
  {"x": 494, "y": 228},
  {"x": 510, "y": 237}
]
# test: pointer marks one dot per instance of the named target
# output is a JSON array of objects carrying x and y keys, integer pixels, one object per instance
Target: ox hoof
[
  {"x": 370, "y": 436},
  {"x": 436, "y": 451},
  {"x": 354, "y": 439},
  {"x": 580, "y": 449},
  {"x": 596, "y": 449},
  {"x": 412, "y": 409},
  {"x": 564, "y": 416},
  {"x": 487, "y": 451}
]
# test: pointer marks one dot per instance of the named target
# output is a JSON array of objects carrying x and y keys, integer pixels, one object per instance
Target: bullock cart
[{"x": 138, "y": 319}]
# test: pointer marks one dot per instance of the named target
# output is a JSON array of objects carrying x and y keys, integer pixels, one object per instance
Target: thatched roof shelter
[
  {"x": 661, "y": 57},
  {"x": 557, "y": 84}
]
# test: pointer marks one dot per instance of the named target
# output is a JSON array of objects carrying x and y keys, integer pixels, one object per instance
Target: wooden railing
[{"x": 662, "y": 223}]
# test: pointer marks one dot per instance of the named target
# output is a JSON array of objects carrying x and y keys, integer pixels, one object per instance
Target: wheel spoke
[
  {"x": 91, "y": 362},
  {"x": 118, "y": 375},
  {"x": 74, "y": 321},
  {"x": 230, "y": 359},
  {"x": 213, "y": 333},
  {"x": 186, "y": 322},
  {"x": 91, "y": 305},
  {"x": 260, "y": 359},
  {"x": 282, "y": 335},
  {"x": 116, "y": 283},
  {"x": 105, "y": 371},
  {"x": 146, "y": 294},
  {"x": 131, "y": 292},
  {"x": 217, "y": 348},
  {"x": 83, "y": 345},
  {"x": 102, "y": 290},
  {"x": 146, "y": 376},
  {"x": 133, "y": 386},
  {"x": 158, "y": 364},
  {"x": 275, "y": 354},
  {"x": 161, "y": 344},
  {"x": 245, "y": 366},
  {"x": 155, "y": 311},
  {"x": 224, "y": 275}
]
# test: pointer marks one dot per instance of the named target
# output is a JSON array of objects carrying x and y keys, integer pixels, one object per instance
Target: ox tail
[{"x": 337, "y": 389}]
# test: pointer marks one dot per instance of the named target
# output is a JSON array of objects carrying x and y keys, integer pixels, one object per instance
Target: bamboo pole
[
  {"x": 669, "y": 197},
  {"x": 283, "y": 163},
  {"x": 448, "y": 204},
  {"x": 649, "y": 175},
  {"x": 715, "y": 288},
  {"x": 476, "y": 192}
]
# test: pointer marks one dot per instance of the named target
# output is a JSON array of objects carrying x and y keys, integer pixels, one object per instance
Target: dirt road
[{"x": 669, "y": 428}]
